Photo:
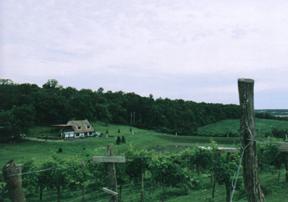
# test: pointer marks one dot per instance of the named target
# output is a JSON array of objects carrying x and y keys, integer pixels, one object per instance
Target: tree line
[{"x": 24, "y": 105}]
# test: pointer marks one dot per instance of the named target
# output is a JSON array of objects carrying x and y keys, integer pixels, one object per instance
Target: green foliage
[
  {"x": 138, "y": 164},
  {"x": 54, "y": 104},
  {"x": 29, "y": 180},
  {"x": 60, "y": 150},
  {"x": 172, "y": 175},
  {"x": 118, "y": 140},
  {"x": 51, "y": 84},
  {"x": 16, "y": 121},
  {"x": 279, "y": 133},
  {"x": 166, "y": 172},
  {"x": 269, "y": 155},
  {"x": 123, "y": 140},
  {"x": 202, "y": 159},
  {"x": 98, "y": 173},
  {"x": 78, "y": 174},
  {"x": 224, "y": 167}
]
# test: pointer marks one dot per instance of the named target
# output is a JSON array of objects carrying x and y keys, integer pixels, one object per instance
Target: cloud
[{"x": 179, "y": 49}]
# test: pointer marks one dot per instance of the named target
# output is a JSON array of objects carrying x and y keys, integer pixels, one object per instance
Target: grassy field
[
  {"x": 141, "y": 139},
  {"x": 85, "y": 148},
  {"x": 232, "y": 125},
  {"x": 80, "y": 148},
  {"x": 40, "y": 151}
]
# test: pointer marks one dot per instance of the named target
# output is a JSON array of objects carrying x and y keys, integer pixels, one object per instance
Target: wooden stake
[
  {"x": 142, "y": 186},
  {"x": 13, "y": 178},
  {"x": 112, "y": 180},
  {"x": 286, "y": 167},
  {"x": 248, "y": 133}
]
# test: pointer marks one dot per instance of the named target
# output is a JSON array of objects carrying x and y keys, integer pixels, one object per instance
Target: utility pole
[
  {"x": 13, "y": 179},
  {"x": 248, "y": 133},
  {"x": 131, "y": 115}
]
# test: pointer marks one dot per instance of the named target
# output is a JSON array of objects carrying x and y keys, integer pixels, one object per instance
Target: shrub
[
  {"x": 123, "y": 140},
  {"x": 118, "y": 140},
  {"x": 60, "y": 150}
]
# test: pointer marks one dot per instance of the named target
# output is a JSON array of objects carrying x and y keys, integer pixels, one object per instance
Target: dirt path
[{"x": 41, "y": 140}]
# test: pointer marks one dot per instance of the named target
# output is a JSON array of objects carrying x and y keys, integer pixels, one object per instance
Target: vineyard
[
  {"x": 148, "y": 176},
  {"x": 169, "y": 170}
]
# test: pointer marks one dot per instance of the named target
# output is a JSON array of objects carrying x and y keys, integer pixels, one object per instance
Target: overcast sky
[{"x": 194, "y": 50}]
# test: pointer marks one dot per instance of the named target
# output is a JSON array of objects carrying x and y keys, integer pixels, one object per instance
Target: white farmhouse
[{"x": 76, "y": 129}]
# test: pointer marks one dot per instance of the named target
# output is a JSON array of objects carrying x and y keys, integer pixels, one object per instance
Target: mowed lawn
[
  {"x": 232, "y": 125},
  {"x": 141, "y": 139},
  {"x": 79, "y": 148}
]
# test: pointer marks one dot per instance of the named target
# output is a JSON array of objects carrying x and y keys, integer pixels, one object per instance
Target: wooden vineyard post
[
  {"x": 286, "y": 167},
  {"x": 248, "y": 133},
  {"x": 112, "y": 178},
  {"x": 142, "y": 187},
  {"x": 13, "y": 178},
  {"x": 110, "y": 161}
]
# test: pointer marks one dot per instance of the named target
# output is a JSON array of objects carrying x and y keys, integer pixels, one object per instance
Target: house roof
[{"x": 81, "y": 126}]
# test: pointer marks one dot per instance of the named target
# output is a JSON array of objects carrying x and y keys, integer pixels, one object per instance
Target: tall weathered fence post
[
  {"x": 112, "y": 178},
  {"x": 247, "y": 130},
  {"x": 142, "y": 187},
  {"x": 13, "y": 178}
]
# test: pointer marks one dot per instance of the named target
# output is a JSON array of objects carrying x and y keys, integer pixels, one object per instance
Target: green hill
[
  {"x": 40, "y": 151},
  {"x": 231, "y": 126}
]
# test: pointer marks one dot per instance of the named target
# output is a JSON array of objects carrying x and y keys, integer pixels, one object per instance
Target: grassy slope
[
  {"x": 41, "y": 151},
  {"x": 232, "y": 125},
  {"x": 85, "y": 148},
  {"x": 80, "y": 148}
]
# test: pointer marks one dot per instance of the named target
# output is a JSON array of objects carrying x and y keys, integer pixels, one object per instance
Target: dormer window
[
  {"x": 79, "y": 127},
  {"x": 88, "y": 126}
]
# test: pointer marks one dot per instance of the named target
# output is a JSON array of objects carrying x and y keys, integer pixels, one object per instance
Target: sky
[{"x": 180, "y": 49}]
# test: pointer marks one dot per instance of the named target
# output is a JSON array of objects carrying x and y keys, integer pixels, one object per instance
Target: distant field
[
  {"x": 274, "y": 112},
  {"x": 232, "y": 125}
]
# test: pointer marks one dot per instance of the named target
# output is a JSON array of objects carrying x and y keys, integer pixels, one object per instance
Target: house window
[{"x": 79, "y": 127}]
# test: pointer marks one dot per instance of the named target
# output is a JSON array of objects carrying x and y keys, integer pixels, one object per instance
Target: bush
[
  {"x": 278, "y": 133},
  {"x": 118, "y": 140},
  {"x": 60, "y": 150},
  {"x": 123, "y": 140}
]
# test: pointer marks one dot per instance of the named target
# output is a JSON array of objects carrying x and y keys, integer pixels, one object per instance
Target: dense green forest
[{"x": 25, "y": 105}]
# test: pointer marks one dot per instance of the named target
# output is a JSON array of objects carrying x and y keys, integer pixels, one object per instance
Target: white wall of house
[
  {"x": 68, "y": 134},
  {"x": 72, "y": 134}
]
